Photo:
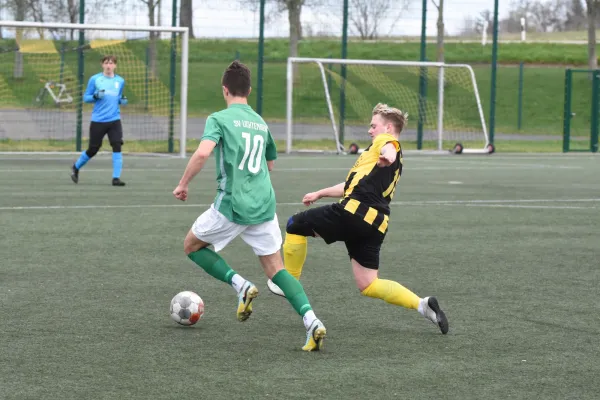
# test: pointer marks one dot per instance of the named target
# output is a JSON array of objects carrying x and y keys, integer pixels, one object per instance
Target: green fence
[{"x": 581, "y": 84}]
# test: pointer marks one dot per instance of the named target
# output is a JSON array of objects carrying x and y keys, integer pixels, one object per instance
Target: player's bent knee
[
  {"x": 299, "y": 228},
  {"x": 363, "y": 276},
  {"x": 92, "y": 151},
  {"x": 192, "y": 243},
  {"x": 116, "y": 146}
]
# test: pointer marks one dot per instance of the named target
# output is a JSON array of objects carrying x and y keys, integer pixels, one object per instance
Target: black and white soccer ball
[{"x": 186, "y": 308}]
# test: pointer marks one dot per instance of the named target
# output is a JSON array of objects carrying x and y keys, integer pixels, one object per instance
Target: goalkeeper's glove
[
  {"x": 123, "y": 101},
  {"x": 99, "y": 94}
]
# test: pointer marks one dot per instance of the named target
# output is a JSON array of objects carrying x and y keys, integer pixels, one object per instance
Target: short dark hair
[
  {"x": 237, "y": 80},
  {"x": 109, "y": 57}
]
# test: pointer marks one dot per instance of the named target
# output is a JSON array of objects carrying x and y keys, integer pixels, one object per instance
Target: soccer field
[{"x": 510, "y": 245}]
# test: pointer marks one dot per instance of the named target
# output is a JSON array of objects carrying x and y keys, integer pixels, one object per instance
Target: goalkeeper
[
  {"x": 105, "y": 91},
  {"x": 360, "y": 219}
]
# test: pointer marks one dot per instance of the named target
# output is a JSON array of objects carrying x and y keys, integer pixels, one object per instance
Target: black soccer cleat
[
  {"x": 440, "y": 317},
  {"x": 74, "y": 174},
  {"x": 117, "y": 182}
]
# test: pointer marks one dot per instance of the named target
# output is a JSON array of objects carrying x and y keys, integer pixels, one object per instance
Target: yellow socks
[
  {"x": 392, "y": 292},
  {"x": 294, "y": 254}
]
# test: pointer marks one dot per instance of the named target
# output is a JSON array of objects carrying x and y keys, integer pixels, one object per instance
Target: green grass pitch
[{"x": 509, "y": 244}]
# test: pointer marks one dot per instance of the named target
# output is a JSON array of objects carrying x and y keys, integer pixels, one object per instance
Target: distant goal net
[
  {"x": 46, "y": 67},
  {"x": 330, "y": 102}
]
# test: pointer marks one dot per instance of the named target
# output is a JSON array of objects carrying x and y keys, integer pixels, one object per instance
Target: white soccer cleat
[
  {"x": 275, "y": 289},
  {"x": 434, "y": 313},
  {"x": 245, "y": 297},
  {"x": 315, "y": 335}
]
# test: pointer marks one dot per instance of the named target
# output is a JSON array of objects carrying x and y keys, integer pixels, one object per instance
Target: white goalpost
[
  {"x": 449, "y": 113},
  {"x": 44, "y": 70}
]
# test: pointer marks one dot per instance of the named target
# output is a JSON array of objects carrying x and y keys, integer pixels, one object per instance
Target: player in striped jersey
[{"x": 360, "y": 219}]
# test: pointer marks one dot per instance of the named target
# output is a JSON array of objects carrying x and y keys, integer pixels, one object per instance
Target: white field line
[
  {"x": 312, "y": 169},
  {"x": 548, "y": 157},
  {"x": 482, "y": 203},
  {"x": 523, "y": 206}
]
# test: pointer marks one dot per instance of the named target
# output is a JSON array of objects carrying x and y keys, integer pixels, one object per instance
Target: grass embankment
[{"x": 542, "y": 111}]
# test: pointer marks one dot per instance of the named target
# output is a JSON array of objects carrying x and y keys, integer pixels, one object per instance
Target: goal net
[
  {"x": 45, "y": 68},
  {"x": 330, "y": 103}
]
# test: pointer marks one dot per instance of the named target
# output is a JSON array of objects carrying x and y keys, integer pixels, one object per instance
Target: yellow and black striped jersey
[{"x": 369, "y": 189}]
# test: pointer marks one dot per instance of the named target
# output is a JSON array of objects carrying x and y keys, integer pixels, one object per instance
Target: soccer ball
[{"x": 186, "y": 308}]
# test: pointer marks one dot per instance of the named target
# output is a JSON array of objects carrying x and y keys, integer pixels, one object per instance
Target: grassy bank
[{"x": 542, "y": 111}]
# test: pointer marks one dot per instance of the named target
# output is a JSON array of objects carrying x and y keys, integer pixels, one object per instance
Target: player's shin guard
[
  {"x": 117, "y": 161},
  {"x": 213, "y": 264},
  {"x": 392, "y": 292},
  {"x": 294, "y": 292},
  {"x": 83, "y": 159},
  {"x": 295, "y": 248}
]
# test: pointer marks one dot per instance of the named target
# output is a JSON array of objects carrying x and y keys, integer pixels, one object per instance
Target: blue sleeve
[
  {"x": 121, "y": 101},
  {"x": 88, "y": 96}
]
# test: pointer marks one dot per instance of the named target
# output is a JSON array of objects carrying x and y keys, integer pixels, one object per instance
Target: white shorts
[{"x": 212, "y": 227}]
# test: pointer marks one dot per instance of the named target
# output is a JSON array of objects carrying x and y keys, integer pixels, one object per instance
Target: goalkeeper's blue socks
[
  {"x": 117, "y": 159},
  {"x": 83, "y": 159},
  {"x": 117, "y": 162}
]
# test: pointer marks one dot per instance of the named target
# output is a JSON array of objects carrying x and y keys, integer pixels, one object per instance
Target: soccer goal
[
  {"x": 329, "y": 104},
  {"x": 45, "y": 68}
]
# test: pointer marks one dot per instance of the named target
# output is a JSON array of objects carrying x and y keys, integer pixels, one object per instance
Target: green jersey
[{"x": 245, "y": 194}]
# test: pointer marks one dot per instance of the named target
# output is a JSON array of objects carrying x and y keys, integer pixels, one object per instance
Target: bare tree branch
[{"x": 366, "y": 16}]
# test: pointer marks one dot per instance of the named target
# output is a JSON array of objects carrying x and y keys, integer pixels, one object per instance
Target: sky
[
  {"x": 228, "y": 19},
  {"x": 225, "y": 18}
]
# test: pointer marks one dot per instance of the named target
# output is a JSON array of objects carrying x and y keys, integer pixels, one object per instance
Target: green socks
[
  {"x": 293, "y": 290},
  {"x": 216, "y": 267},
  {"x": 213, "y": 264}
]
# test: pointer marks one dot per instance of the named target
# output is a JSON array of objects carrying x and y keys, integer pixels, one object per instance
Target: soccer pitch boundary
[
  {"x": 502, "y": 203},
  {"x": 501, "y": 166}
]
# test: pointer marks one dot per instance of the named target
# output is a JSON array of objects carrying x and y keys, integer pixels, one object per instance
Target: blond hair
[{"x": 392, "y": 115}]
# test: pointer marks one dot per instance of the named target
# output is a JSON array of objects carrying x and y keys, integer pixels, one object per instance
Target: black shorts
[
  {"x": 334, "y": 224},
  {"x": 113, "y": 129}
]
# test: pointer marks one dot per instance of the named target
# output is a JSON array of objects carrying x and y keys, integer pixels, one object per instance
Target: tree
[
  {"x": 592, "y": 8},
  {"x": 575, "y": 16},
  {"x": 548, "y": 16},
  {"x": 19, "y": 10},
  {"x": 469, "y": 27},
  {"x": 486, "y": 18},
  {"x": 440, "y": 29},
  {"x": 186, "y": 16},
  {"x": 153, "y": 7},
  {"x": 294, "y": 12},
  {"x": 542, "y": 16},
  {"x": 366, "y": 15}
]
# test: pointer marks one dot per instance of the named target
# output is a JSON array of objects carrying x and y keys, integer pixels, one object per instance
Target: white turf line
[
  {"x": 308, "y": 169},
  {"x": 553, "y": 157},
  {"x": 473, "y": 203}
]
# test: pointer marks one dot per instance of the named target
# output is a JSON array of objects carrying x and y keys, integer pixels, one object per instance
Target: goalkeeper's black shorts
[
  {"x": 334, "y": 224},
  {"x": 113, "y": 129}
]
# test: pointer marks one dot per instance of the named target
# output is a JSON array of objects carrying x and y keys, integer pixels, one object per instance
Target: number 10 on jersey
[{"x": 252, "y": 153}]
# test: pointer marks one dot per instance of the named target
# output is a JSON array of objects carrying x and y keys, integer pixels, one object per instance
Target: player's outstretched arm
[
  {"x": 194, "y": 166},
  {"x": 332, "y": 191}
]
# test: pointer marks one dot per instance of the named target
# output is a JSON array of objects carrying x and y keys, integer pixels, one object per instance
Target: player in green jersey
[{"x": 245, "y": 202}]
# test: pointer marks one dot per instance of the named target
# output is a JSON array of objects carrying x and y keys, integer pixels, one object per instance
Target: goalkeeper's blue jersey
[{"x": 107, "y": 108}]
